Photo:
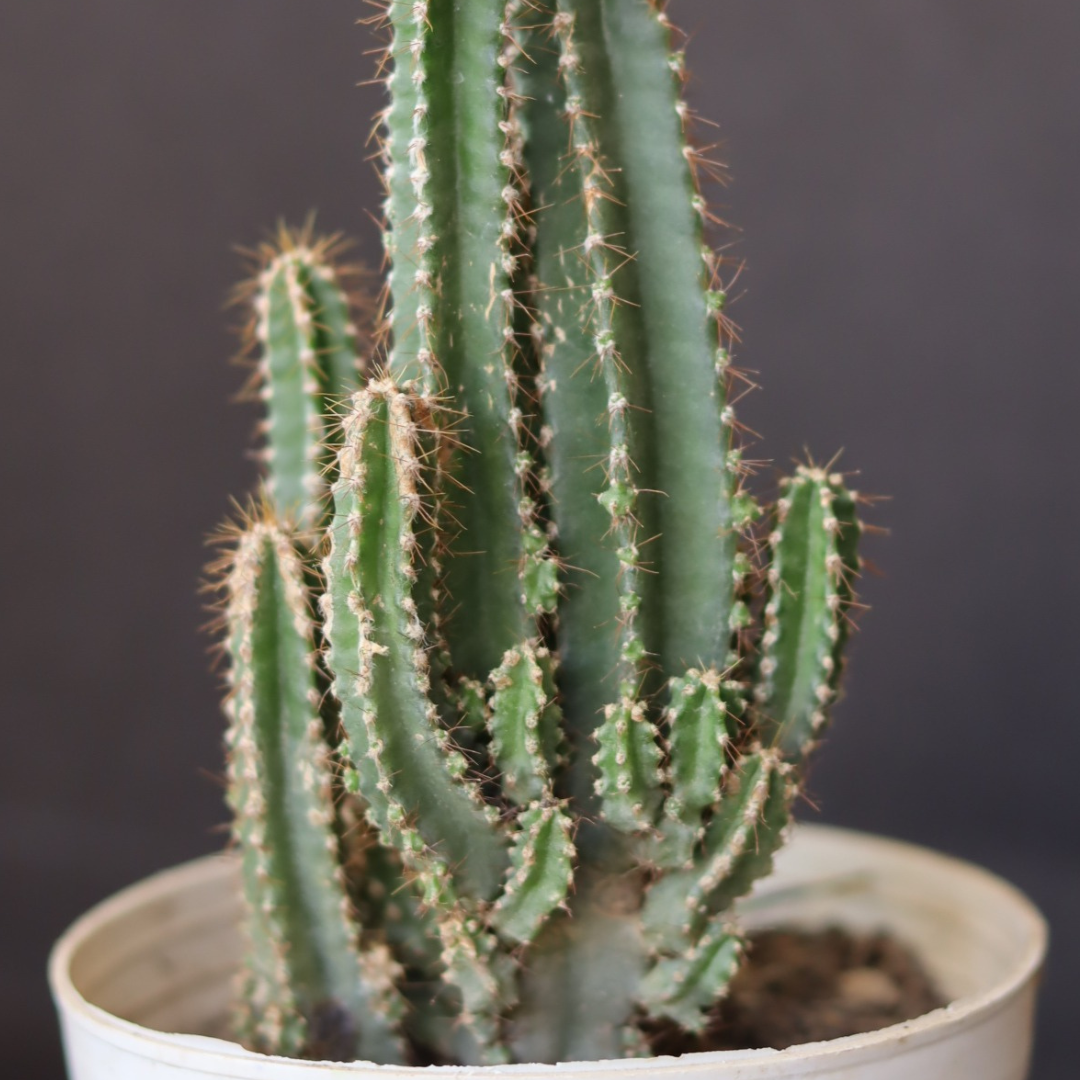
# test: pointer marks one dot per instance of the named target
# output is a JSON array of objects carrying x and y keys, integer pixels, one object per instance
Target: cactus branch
[
  {"x": 304, "y": 969},
  {"x": 813, "y": 565},
  {"x": 541, "y": 873},
  {"x": 683, "y": 988},
  {"x": 408, "y": 238},
  {"x": 472, "y": 205},
  {"x": 740, "y": 840},
  {"x": 523, "y": 743},
  {"x": 307, "y": 364},
  {"x": 625, "y": 84},
  {"x": 406, "y": 770},
  {"x": 698, "y": 740},
  {"x": 573, "y": 397}
]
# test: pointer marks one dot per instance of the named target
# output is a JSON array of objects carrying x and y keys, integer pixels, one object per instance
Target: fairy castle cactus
[{"x": 522, "y": 678}]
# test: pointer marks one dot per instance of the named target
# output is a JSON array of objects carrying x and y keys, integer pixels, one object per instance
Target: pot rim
[{"x": 968, "y": 1011}]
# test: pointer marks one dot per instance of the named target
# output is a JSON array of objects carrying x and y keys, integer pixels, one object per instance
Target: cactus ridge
[{"x": 569, "y": 686}]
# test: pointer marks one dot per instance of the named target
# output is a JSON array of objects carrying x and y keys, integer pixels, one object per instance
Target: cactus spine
[{"x": 571, "y": 691}]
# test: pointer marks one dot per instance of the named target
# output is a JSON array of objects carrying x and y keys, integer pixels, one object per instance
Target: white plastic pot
[{"x": 143, "y": 981}]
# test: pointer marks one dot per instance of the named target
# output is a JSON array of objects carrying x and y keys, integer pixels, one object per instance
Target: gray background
[{"x": 906, "y": 175}]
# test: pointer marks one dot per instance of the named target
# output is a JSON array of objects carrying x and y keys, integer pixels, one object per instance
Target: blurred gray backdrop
[{"x": 905, "y": 176}]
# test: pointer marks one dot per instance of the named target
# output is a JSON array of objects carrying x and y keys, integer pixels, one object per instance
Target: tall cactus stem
[
  {"x": 304, "y": 971},
  {"x": 471, "y": 216},
  {"x": 627, "y": 82},
  {"x": 405, "y": 767},
  {"x": 409, "y": 237},
  {"x": 572, "y": 396},
  {"x": 629, "y": 756}
]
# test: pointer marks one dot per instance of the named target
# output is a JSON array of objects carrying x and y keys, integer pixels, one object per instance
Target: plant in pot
[{"x": 522, "y": 678}]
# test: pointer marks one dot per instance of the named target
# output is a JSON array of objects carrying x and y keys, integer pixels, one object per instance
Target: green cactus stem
[
  {"x": 622, "y": 77},
  {"x": 700, "y": 731},
  {"x": 813, "y": 564},
  {"x": 524, "y": 730},
  {"x": 573, "y": 398},
  {"x": 541, "y": 873},
  {"x": 684, "y": 988},
  {"x": 412, "y": 780},
  {"x": 746, "y": 830},
  {"x": 452, "y": 224},
  {"x": 307, "y": 363},
  {"x": 304, "y": 975}
]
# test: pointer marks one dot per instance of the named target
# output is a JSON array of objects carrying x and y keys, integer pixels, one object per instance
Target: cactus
[{"x": 569, "y": 669}]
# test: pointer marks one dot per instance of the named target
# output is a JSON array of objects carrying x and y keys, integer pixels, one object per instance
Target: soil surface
[{"x": 798, "y": 987}]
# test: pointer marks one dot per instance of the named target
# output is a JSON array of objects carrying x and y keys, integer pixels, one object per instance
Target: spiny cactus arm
[
  {"x": 626, "y": 82},
  {"x": 408, "y": 238},
  {"x": 336, "y": 335},
  {"x": 412, "y": 779},
  {"x": 292, "y": 389},
  {"x": 541, "y": 872},
  {"x": 303, "y": 943},
  {"x": 698, "y": 740},
  {"x": 523, "y": 744},
  {"x": 683, "y": 988},
  {"x": 628, "y": 761},
  {"x": 524, "y": 724},
  {"x": 755, "y": 859},
  {"x": 814, "y": 561},
  {"x": 746, "y": 830},
  {"x": 469, "y": 203},
  {"x": 308, "y": 362},
  {"x": 573, "y": 397}
]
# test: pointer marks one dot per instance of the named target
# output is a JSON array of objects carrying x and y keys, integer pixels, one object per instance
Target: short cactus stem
[
  {"x": 684, "y": 988},
  {"x": 541, "y": 874},
  {"x": 813, "y": 565},
  {"x": 523, "y": 739},
  {"x": 308, "y": 363}
]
